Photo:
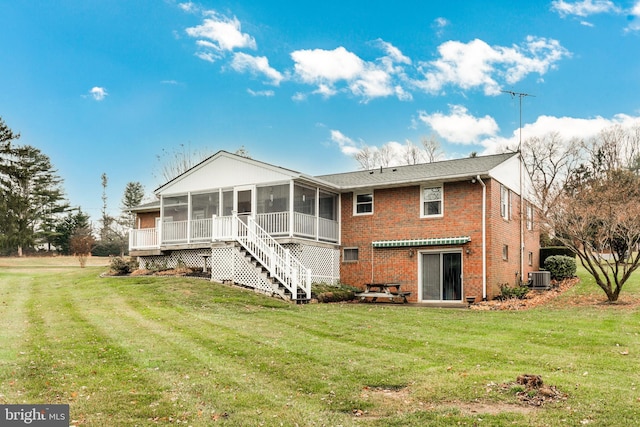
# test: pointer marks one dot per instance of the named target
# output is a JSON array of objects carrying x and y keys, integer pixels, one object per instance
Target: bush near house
[
  {"x": 508, "y": 292},
  {"x": 555, "y": 250},
  {"x": 560, "y": 266},
  {"x": 120, "y": 266},
  {"x": 324, "y": 292}
]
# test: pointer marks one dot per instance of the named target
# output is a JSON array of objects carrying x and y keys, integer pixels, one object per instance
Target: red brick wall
[{"x": 397, "y": 216}]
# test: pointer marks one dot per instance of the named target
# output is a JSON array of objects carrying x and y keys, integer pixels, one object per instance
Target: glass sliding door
[{"x": 441, "y": 276}]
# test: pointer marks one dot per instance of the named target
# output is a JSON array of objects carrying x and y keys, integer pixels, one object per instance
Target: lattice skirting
[
  {"x": 226, "y": 263},
  {"x": 187, "y": 258},
  {"x": 230, "y": 265},
  {"x": 323, "y": 262}
]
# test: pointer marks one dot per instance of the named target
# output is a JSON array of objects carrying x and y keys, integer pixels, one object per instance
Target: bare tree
[
  {"x": 432, "y": 149},
  {"x": 81, "y": 244},
  {"x": 598, "y": 218},
  {"x": 616, "y": 147},
  {"x": 177, "y": 161},
  {"x": 384, "y": 156},
  {"x": 412, "y": 153},
  {"x": 550, "y": 161},
  {"x": 366, "y": 157}
]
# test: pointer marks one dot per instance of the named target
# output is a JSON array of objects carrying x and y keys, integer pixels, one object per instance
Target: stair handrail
[{"x": 285, "y": 267}]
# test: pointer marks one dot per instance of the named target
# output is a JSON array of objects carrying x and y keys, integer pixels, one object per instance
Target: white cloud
[
  {"x": 218, "y": 34},
  {"x": 393, "y": 53},
  {"x": 567, "y": 127},
  {"x": 319, "y": 65},
  {"x": 98, "y": 93},
  {"x": 338, "y": 69},
  {"x": 634, "y": 15},
  {"x": 267, "y": 93},
  {"x": 347, "y": 145},
  {"x": 478, "y": 65},
  {"x": 299, "y": 97},
  {"x": 188, "y": 7},
  {"x": 459, "y": 126},
  {"x": 440, "y": 24},
  {"x": 243, "y": 62},
  {"x": 584, "y": 8}
]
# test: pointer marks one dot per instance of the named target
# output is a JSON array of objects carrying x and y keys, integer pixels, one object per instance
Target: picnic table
[{"x": 383, "y": 290}]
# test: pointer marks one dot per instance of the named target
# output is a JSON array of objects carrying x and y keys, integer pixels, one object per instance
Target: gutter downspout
[{"x": 484, "y": 238}]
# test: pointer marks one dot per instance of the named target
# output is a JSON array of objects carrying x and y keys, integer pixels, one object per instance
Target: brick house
[{"x": 445, "y": 230}]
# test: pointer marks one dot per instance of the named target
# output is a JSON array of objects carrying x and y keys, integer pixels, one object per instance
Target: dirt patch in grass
[
  {"x": 401, "y": 400},
  {"x": 532, "y": 391}
]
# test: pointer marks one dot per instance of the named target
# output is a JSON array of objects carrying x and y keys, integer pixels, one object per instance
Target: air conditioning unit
[{"x": 540, "y": 279}]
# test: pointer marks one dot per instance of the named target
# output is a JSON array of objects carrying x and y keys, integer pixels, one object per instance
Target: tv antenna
[{"x": 520, "y": 95}]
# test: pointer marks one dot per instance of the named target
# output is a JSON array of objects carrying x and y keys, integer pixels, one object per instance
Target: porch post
[
  {"x": 189, "y": 217},
  {"x": 317, "y": 209},
  {"x": 291, "y": 208},
  {"x": 234, "y": 225},
  {"x": 214, "y": 227}
]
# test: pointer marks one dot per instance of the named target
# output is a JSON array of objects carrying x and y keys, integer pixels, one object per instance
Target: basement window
[{"x": 350, "y": 255}]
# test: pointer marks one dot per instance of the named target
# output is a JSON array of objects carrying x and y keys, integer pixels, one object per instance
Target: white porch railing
[
  {"x": 174, "y": 231},
  {"x": 304, "y": 225},
  {"x": 328, "y": 230},
  {"x": 203, "y": 230},
  {"x": 144, "y": 238},
  {"x": 274, "y": 223},
  {"x": 277, "y": 260}
]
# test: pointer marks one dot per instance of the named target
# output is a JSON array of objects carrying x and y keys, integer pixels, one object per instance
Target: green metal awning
[{"x": 422, "y": 242}]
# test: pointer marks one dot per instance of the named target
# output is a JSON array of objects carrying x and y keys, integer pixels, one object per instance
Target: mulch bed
[
  {"x": 533, "y": 299},
  {"x": 536, "y": 298}
]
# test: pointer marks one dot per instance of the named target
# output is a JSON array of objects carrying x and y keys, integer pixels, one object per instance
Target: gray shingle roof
[
  {"x": 444, "y": 170},
  {"x": 151, "y": 206}
]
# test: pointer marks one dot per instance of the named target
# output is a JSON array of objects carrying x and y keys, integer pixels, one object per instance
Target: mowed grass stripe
[
  {"x": 70, "y": 361},
  {"x": 165, "y": 340},
  {"x": 148, "y": 351},
  {"x": 15, "y": 291}
]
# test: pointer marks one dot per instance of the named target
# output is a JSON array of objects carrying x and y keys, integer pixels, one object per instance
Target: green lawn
[{"x": 159, "y": 351}]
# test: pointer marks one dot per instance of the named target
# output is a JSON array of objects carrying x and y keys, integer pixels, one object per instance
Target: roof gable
[{"x": 224, "y": 169}]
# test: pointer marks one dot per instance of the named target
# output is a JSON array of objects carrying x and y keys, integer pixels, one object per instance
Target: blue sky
[{"x": 106, "y": 86}]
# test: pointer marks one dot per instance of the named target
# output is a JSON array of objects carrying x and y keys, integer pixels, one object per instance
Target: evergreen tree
[
  {"x": 66, "y": 227},
  {"x": 133, "y": 195},
  {"x": 30, "y": 193}
]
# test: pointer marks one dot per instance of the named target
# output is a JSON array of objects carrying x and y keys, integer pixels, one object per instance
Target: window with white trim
[
  {"x": 505, "y": 202},
  {"x": 529, "y": 216},
  {"x": 363, "y": 204},
  {"x": 432, "y": 198}
]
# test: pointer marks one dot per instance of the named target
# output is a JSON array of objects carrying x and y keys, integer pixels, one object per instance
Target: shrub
[
  {"x": 554, "y": 250},
  {"x": 106, "y": 249},
  {"x": 333, "y": 293},
  {"x": 507, "y": 292},
  {"x": 120, "y": 266},
  {"x": 560, "y": 266}
]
